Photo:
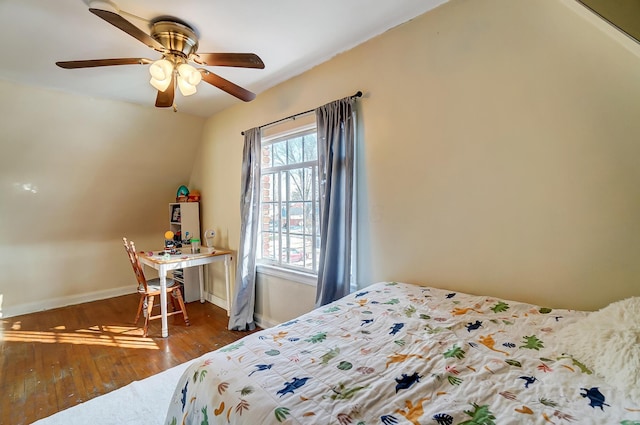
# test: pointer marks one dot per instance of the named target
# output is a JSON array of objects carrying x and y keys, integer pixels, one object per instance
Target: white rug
[{"x": 139, "y": 403}]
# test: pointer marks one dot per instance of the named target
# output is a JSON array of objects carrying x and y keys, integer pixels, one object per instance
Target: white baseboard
[
  {"x": 215, "y": 300},
  {"x": 261, "y": 321},
  {"x": 264, "y": 322},
  {"x": 51, "y": 303}
]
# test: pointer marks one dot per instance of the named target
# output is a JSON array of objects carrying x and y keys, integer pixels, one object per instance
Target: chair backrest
[{"x": 135, "y": 263}]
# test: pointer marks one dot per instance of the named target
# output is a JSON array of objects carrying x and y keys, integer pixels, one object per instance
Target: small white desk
[{"x": 181, "y": 261}]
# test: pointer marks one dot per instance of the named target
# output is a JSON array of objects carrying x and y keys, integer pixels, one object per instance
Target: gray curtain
[
  {"x": 336, "y": 134},
  {"x": 244, "y": 301}
]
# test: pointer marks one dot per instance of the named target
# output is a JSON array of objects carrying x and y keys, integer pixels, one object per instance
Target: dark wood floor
[{"x": 55, "y": 359}]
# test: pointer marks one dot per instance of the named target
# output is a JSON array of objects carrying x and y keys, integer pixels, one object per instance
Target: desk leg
[
  {"x": 227, "y": 264},
  {"x": 162, "y": 273},
  {"x": 201, "y": 273}
]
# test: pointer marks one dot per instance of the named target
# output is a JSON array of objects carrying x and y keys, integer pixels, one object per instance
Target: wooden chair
[{"x": 149, "y": 289}]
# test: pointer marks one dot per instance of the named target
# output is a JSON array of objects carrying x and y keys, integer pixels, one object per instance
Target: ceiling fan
[{"x": 178, "y": 44}]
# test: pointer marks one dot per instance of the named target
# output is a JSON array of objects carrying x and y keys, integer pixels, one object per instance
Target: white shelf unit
[{"x": 184, "y": 219}]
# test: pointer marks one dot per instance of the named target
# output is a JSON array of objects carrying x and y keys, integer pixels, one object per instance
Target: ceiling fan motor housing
[{"x": 179, "y": 39}]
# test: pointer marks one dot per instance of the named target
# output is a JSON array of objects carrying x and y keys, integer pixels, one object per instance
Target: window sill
[{"x": 287, "y": 274}]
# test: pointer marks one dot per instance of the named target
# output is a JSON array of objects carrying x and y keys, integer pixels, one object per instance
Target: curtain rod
[{"x": 292, "y": 117}]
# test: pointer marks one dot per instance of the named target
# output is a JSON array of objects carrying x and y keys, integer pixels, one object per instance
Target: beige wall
[
  {"x": 499, "y": 146},
  {"x": 99, "y": 170}
]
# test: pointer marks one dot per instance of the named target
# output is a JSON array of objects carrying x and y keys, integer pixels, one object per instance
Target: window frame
[{"x": 277, "y": 267}]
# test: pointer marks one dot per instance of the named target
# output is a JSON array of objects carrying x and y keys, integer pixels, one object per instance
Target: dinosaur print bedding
[{"x": 394, "y": 354}]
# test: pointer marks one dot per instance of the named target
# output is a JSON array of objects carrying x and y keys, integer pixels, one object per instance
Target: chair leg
[
  {"x": 173, "y": 297},
  {"x": 182, "y": 307},
  {"x": 146, "y": 319},
  {"x": 139, "y": 308}
]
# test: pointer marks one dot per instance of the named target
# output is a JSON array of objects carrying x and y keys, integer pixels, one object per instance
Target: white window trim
[
  {"x": 287, "y": 274},
  {"x": 284, "y": 135}
]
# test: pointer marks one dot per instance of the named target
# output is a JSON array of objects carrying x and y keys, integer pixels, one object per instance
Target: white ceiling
[{"x": 290, "y": 36}]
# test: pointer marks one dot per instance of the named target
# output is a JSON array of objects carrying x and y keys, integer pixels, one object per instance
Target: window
[{"x": 289, "y": 225}]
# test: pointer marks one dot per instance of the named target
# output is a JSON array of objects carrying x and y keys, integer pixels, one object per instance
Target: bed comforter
[{"x": 397, "y": 353}]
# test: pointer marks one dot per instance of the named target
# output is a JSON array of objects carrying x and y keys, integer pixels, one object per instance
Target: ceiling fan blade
[
  {"x": 165, "y": 98},
  {"x": 126, "y": 26},
  {"x": 102, "y": 62},
  {"x": 241, "y": 60},
  {"x": 226, "y": 85}
]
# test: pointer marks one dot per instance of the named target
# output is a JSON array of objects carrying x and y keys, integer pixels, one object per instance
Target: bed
[{"x": 397, "y": 353}]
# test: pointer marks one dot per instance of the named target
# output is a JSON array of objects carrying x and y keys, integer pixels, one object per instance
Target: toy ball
[{"x": 168, "y": 235}]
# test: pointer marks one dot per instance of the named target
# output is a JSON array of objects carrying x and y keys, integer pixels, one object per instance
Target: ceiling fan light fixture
[
  {"x": 185, "y": 88},
  {"x": 161, "y": 71},
  {"x": 188, "y": 79},
  {"x": 189, "y": 74},
  {"x": 161, "y": 85}
]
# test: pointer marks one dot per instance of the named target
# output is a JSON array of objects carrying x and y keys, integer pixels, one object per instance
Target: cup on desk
[{"x": 195, "y": 246}]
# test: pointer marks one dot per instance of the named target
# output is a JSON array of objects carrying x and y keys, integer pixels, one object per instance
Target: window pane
[
  {"x": 295, "y": 150},
  {"x": 316, "y": 184},
  {"x": 295, "y": 217},
  {"x": 284, "y": 216},
  {"x": 310, "y": 259},
  {"x": 308, "y": 184},
  {"x": 267, "y": 156},
  {"x": 274, "y": 246},
  {"x": 269, "y": 215},
  {"x": 308, "y": 217},
  {"x": 272, "y": 223},
  {"x": 295, "y": 252},
  {"x": 269, "y": 245},
  {"x": 296, "y": 185},
  {"x": 269, "y": 200},
  {"x": 279, "y": 153},
  {"x": 267, "y": 188},
  {"x": 310, "y": 147},
  {"x": 276, "y": 187}
]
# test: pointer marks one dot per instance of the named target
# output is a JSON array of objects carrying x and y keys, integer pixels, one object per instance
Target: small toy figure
[{"x": 169, "y": 246}]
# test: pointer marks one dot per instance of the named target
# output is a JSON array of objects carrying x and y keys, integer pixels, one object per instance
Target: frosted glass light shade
[
  {"x": 160, "y": 85},
  {"x": 185, "y": 88},
  {"x": 161, "y": 72},
  {"x": 188, "y": 79},
  {"x": 189, "y": 74}
]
